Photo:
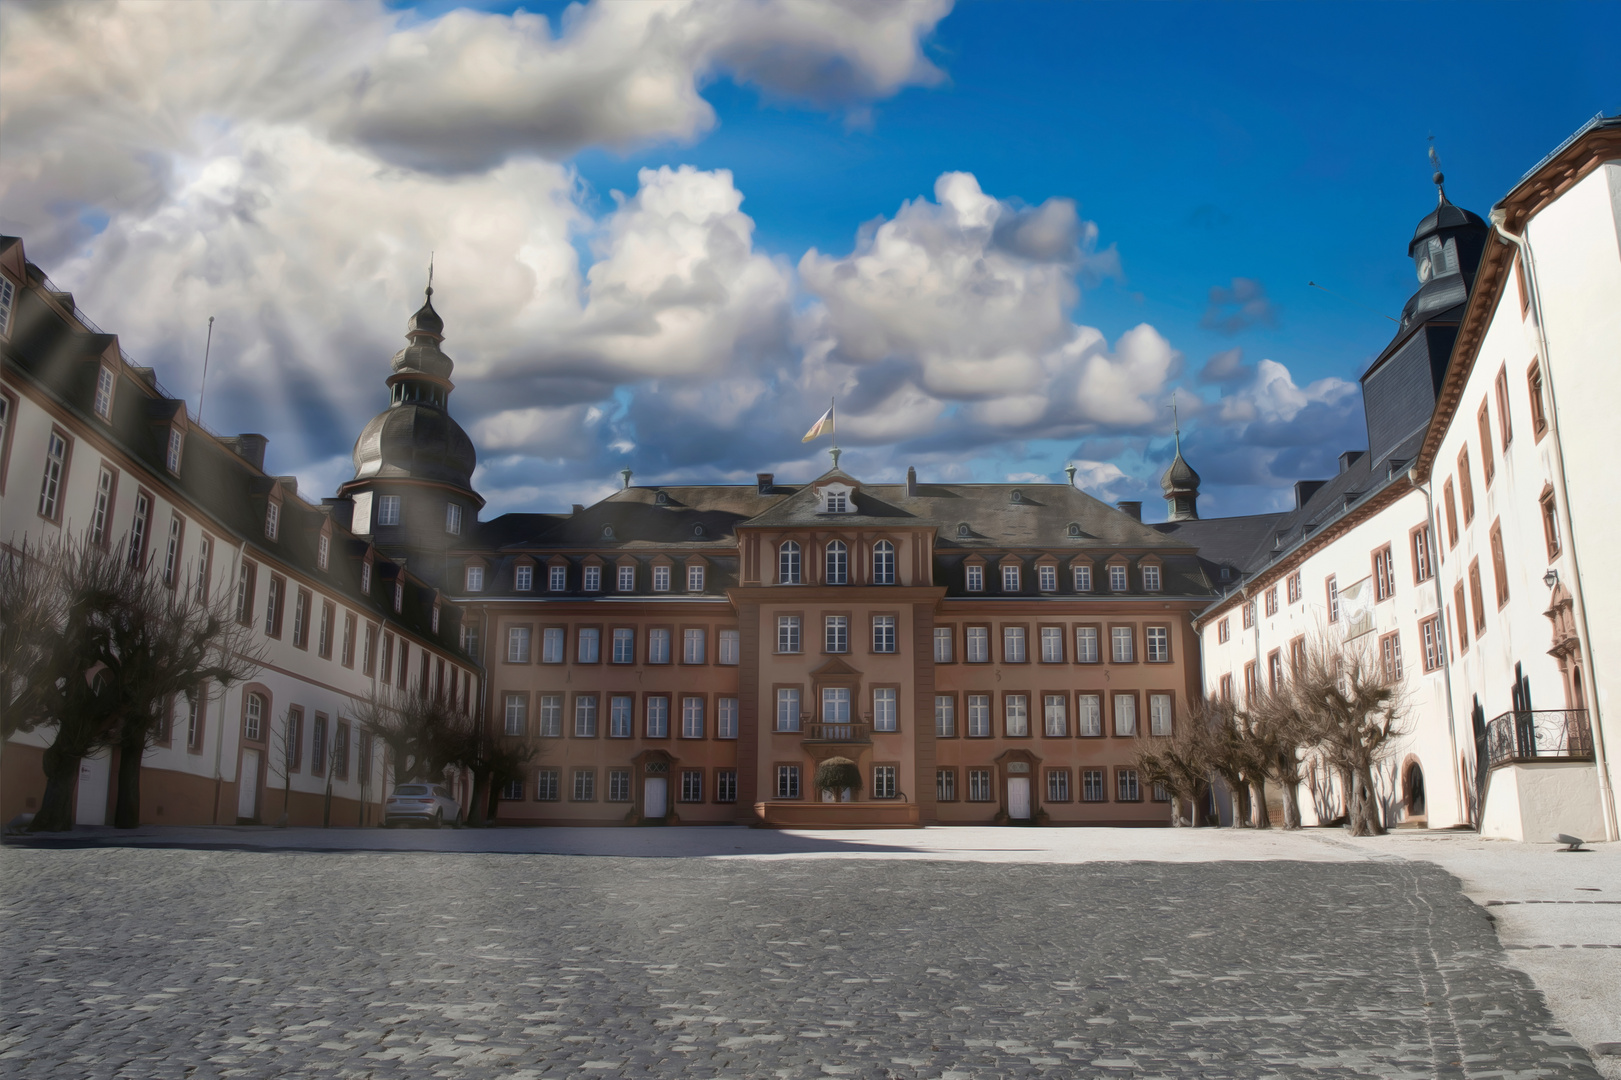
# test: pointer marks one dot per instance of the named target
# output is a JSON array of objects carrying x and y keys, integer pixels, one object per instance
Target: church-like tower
[
  {"x": 1180, "y": 485},
  {"x": 413, "y": 484}
]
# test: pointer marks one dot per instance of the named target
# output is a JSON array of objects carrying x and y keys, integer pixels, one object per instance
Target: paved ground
[{"x": 941, "y": 957}]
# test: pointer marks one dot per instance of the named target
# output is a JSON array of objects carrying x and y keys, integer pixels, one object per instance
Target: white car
[{"x": 426, "y": 804}]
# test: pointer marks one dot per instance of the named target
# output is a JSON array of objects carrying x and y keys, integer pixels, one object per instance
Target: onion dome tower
[
  {"x": 413, "y": 483},
  {"x": 1180, "y": 483}
]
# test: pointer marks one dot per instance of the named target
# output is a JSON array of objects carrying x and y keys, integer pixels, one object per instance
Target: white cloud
[{"x": 1273, "y": 398}]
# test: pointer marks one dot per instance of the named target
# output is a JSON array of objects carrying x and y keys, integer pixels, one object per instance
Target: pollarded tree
[
  {"x": 1178, "y": 764},
  {"x": 1221, "y": 746},
  {"x": 1279, "y": 738},
  {"x": 31, "y": 614}
]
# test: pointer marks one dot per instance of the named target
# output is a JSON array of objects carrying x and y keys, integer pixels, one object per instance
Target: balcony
[
  {"x": 844, "y": 732},
  {"x": 1546, "y": 735}
]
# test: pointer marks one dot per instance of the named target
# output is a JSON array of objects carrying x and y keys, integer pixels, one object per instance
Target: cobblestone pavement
[{"x": 178, "y": 963}]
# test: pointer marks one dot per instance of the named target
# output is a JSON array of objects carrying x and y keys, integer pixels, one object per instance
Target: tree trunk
[
  {"x": 326, "y": 802},
  {"x": 127, "y": 808},
  {"x": 478, "y": 803},
  {"x": 1263, "y": 816},
  {"x": 1366, "y": 816},
  {"x": 56, "y": 806},
  {"x": 493, "y": 794},
  {"x": 1291, "y": 803},
  {"x": 1241, "y": 805}
]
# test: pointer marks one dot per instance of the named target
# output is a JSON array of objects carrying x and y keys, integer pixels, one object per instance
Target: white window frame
[
  {"x": 177, "y": 443},
  {"x": 1016, "y": 715},
  {"x": 1125, "y": 714},
  {"x": 658, "y": 645},
  {"x": 1052, "y": 644},
  {"x": 789, "y": 636},
  {"x": 453, "y": 518},
  {"x": 557, "y": 578},
  {"x": 883, "y": 563},
  {"x": 474, "y": 579},
  {"x": 587, "y": 645},
  {"x": 661, "y": 578},
  {"x": 788, "y": 708},
  {"x": 516, "y": 716},
  {"x": 621, "y": 717},
  {"x": 1159, "y": 715},
  {"x": 553, "y": 644},
  {"x": 624, "y": 645},
  {"x": 549, "y": 723},
  {"x": 694, "y": 642},
  {"x": 1010, "y": 577},
  {"x": 692, "y": 716},
  {"x": 883, "y": 634},
  {"x": 585, "y": 716},
  {"x": 1047, "y": 577},
  {"x": 1151, "y": 579},
  {"x": 627, "y": 577},
  {"x": 977, "y": 645},
  {"x": 885, "y": 715},
  {"x": 656, "y": 716},
  {"x": 517, "y": 644},
  {"x": 1117, "y": 578},
  {"x": 979, "y": 716},
  {"x": 106, "y": 385},
  {"x": 1054, "y": 715},
  {"x": 388, "y": 510},
  {"x": 695, "y": 579},
  {"x": 1157, "y": 645},
  {"x": 730, "y": 648},
  {"x": 1089, "y": 715},
  {"x": 1083, "y": 579},
  {"x": 943, "y": 644},
  {"x": 1122, "y": 644},
  {"x": 593, "y": 578},
  {"x": 1013, "y": 645},
  {"x": 945, "y": 716},
  {"x": 975, "y": 578},
  {"x": 726, "y": 713}
]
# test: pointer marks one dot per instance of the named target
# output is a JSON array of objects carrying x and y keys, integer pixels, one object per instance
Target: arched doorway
[{"x": 1413, "y": 790}]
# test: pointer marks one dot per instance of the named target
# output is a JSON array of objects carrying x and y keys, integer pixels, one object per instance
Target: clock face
[{"x": 1424, "y": 268}]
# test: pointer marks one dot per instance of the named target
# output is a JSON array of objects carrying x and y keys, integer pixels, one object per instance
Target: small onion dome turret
[
  {"x": 1179, "y": 477},
  {"x": 423, "y": 356}
]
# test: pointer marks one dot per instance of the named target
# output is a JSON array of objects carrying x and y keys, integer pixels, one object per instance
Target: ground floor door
[
  {"x": 654, "y": 796},
  {"x": 1018, "y": 798},
  {"x": 90, "y": 805},
  {"x": 247, "y": 790}
]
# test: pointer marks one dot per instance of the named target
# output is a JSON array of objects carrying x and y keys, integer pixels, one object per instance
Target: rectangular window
[
  {"x": 388, "y": 510},
  {"x": 883, "y": 709},
  {"x": 1419, "y": 542},
  {"x": 661, "y": 579},
  {"x": 1158, "y": 639},
  {"x": 1092, "y": 785},
  {"x": 979, "y": 785},
  {"x": 340, "y": 751},
  {"x": 942, "y": 644},
  {"x": 1429, "y": 631},
  {"x": 1117, "y": 578},
  {"x": 588, "y": 647},
  {"x": 1384, "y": 574},
  {"x": 104, "y": 393},
  {"x": 695, "y": 579},
  {"x": 1120, "y": 642},
  {"x": 1054, "y": 722},
  {"x": 453, "y": 519},
  {"x": 788, "y": 709},
  {"x": 8, "y": 294},
  {"x": 1274, "y": 669},
  {"x": 273, "y": 605},
  {"x": 585, "y": 716},
  {"x": 523, "y": 577},
  {"x": 1539, "y": 418},
  {"x": 624, "y": 645},
  {"x": 1013, "y": 645},
  {"x": 512, "y": 791},
  {"x": 593, "y": 579},
  {"x": 945, "y": 716},
  {"x": 557, "y": 578},
  {"x": 1294, "y": 587},
  {"x": 1088, "y": 715},
  {"x": 177, "y": 442},
  {"x": 693, "y": 642},
  {"x": 368, "y": 654},
  {"x": 551, "y": 716},
  {"x": 1249, "y": 615},
  {"x": 102, "y": 508},
  {"x": 1058, "y": 785},
  {"x": 475, "y": 578},
  {"x": 318, "y": 746},
  {"x": 585, "y": 785},
  {"x": 1126, "y": 787},
  {"x": 272, "y": 520},
  {"x": 517, "y": 715},
  {"x": 244, "y": 593},
  {"x": 883, "y": 782},
  {"x": 658, "y": 717},
  {"x": 945, "y": 785},
  {"x": 836, "y": 638},
  {"x": 1086, "y": 644},
  {"x": 1466, "y": 486},
  {"x": 138, "y": 529},
  {"x": 621, "y": 716},
  {"x": 294, "y": 738},
  {"x": 731, "y": 648},
  {"x": 1488, "y": 460},
  {"x": 1083, "y": 579},
  {"x": 726, "y": 785},
  {"x": 976, "y": 578},
  {"x": 835, "y": 705},
  {"x": 1224, "y": 632},
  {"x": 1125, "y": 715},
  {"x": 1272, "y": 601},
  {"x": 1478, "y": 597},
  {"x": 405, "y": 658},
  {"x": 619, "y": 785},
  {"x": 1390, "y": 656},
  {"x": 1450, "y": 501},
  {"x": 1010, "y": 578},
  {"x": 1016, "y": 715},
  {"x": 50, "y": 489},
  {"x": 1252, "y": 681},
  {"x": 979, "y": 716},
  {"x": 726, "y": 718},
  {"x": 346, "y": 654},
  {"x": 1052, "y": 645},
  {"x": 1332, "y": 587},
  {"x": 627, "y": 578},
  {"x": 1461, "y": 608},
  {"x": 1550, "y": 523},
  {"x": 1499, "y": 563},
  {"x": 787, "y": 633},
  {"x": 692, "y": 785},
  {"x": 883, "y": 633},
  {"x": 545, "y": 786},
  {"x": 1159, "y": 714},
  {"x": 328, "y": 617},
  {"x": 658, "y": 646},
  {"x": 253, "y": 720},
  {"x": 1151, "y": 579},
  {"x": 1047, "y": 577},
  {"x": 692, "y": 717},
  {"x": 979, "y": 645},
  {"x": 787, "y": 781},
  {"x": 1226, "y": 687}
]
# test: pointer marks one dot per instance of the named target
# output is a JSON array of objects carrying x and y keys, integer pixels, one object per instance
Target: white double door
[{"x": 1018, "y": 798}]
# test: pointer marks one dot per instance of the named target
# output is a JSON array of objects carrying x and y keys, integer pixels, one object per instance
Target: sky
[{"x": 1004, "y": 236}]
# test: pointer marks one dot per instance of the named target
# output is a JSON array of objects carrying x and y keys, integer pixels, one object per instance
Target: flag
[{"x": 824, "y": 426}]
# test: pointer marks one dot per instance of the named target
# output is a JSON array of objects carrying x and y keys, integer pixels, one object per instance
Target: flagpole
[{"x": 833, "y": 428}]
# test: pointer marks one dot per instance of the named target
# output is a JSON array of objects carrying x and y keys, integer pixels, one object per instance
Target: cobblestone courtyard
[{"x": 177, "y": 963}]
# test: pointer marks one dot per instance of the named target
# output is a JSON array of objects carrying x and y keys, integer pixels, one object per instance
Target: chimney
[
  {"x": 250, "y": 448},
  {"x": 579, "y": 508},
  {"x": 340, "y": 511},
  {"x": 289, "y": 485},
  {"x": 1349, "y": 458},
  {"x": 1131, "y": 509},
  {"x": 911, "y": 482},
  {"x": 763, "y": 482},
  {"x": 1305, "y": 489}
]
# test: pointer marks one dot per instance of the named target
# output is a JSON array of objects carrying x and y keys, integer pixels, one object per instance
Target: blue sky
[{"x": 1248, "y": 148}]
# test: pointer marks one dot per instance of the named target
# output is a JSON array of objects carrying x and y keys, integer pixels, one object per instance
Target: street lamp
[{"x": 1551, "y": 578}]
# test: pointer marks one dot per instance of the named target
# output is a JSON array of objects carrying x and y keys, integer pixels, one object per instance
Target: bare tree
[
  {"x": 1178, "y": 764},
  {"x": 31, "y": 615},
  {"x": 1279, "y": 738},
  {"x": 1222, "y": 747},
  {"x": 283, "y": 747}
]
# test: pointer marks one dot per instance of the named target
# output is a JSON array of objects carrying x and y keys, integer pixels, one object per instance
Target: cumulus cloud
[
  {"x": 1225, "y": 367},
  {"x": 1242, "y": 305}
]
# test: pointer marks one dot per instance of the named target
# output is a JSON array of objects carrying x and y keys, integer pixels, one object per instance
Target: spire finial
[
  {"x": 626, "y": 474},
  {"x": 1439, "y": 178},
  {"x": 1176, "y": 424},
  {"x": 430, "y": 273}
]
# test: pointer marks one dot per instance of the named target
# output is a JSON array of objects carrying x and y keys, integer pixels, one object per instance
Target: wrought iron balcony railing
[{"x": 1538, "y": 736}]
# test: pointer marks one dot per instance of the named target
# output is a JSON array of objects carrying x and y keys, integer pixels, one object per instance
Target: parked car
[{"x": 425, "y": 804}]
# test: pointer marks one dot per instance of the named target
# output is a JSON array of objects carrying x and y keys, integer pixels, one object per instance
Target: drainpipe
[
  {"x": 1445, "y": 643},
  {"x": 219, "y": 743},
  {"x": 1600, "y": 759}
]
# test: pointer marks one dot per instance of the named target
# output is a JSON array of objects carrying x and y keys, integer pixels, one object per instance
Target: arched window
[
  {"x": 883, "y": 563},
  {"x": 838, "y": 563},
  {"x": 788, "y": 563}
]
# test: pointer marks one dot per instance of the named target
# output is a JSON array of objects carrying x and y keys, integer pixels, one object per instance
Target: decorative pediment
[{"x": 835, "y": 666}]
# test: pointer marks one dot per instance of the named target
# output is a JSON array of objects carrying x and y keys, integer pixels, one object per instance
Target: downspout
[
  {"x": 1600, "y": 759},
  {"x": 1445, "y": 644},
  {"x": 219, "y": 743}
]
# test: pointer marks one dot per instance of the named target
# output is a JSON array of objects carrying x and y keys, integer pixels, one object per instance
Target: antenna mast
[{"x": 204, "y": 388}]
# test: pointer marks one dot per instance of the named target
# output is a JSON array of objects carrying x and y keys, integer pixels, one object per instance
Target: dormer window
[
  {"x": 475, "y": 579},
  {"x": 272, "y": 520},
  {"x": 399, "y": 596},
  {"x": 838, "y": 502},
  {"x": 607, "y": 532},
  {"x": 434, "y": 620},
  {"x": 1074, "y": 529},
  {"x": 962, "y": 530},
  {"x": 1117, "y": 578},
  {"x": 1150, "y": 579},
  {"x": 177, "y": 443},
  {"x": 662, "y": 499},
  {"x": 323, "y": 550},
  {"x": 976, "y": 578},
  {"x": 523, "y": 578},
  {"x": 104, "y": 392},
  {"x": 1015, "y": 495},
  {"x": 8, "y": 294},
  {"x": 697, "y": 530},
  {"x": 365, "y": 578}
]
